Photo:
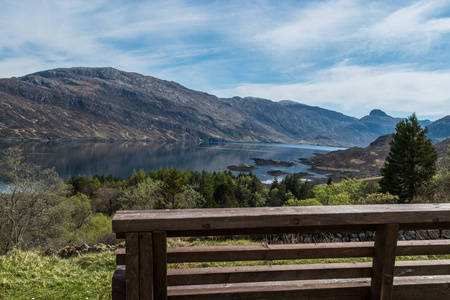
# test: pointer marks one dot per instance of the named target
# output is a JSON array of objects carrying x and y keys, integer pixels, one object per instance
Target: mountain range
[{"x": 105, "y": 103}]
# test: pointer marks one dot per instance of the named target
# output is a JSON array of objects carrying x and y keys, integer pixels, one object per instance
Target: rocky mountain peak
[{"x": 378, "y": 113}]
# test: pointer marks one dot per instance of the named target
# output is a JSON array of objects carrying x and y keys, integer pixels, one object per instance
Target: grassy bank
[{"x": 28, "y": 275}]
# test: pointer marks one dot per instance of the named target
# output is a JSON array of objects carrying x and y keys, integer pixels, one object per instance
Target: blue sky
[{"x": 346, "y": 55}]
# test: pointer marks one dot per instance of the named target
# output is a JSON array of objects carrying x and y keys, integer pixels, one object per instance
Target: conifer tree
[{"x": 410, "y": 162}]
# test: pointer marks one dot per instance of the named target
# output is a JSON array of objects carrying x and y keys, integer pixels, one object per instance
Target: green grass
[{"x": 28, "y": 275}]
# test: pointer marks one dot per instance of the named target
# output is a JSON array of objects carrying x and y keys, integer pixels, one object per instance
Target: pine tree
[{"x": 410, "y": 162}]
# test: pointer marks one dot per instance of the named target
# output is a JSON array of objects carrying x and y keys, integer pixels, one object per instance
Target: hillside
[
  {"x": 105, "y": 103},
  {"x": 439, "y": 130},
  {"x": 359, "y": 162}
]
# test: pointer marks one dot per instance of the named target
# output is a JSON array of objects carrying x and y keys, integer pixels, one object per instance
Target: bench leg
[
  {"x": 160, "y": 264},
  {"x": 146, "y": 277},
  {"x": 384, "y": 262},
  {"x": 132, "y": 266}
]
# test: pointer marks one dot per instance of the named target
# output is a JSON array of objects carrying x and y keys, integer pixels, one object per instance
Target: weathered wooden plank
[
  {"x": 269, "y": 252},
  {"x": 419, "y": 288},
  {"x": 404, "y": 248},
  {"x": 146, "y": 265},
  {"x": 408, "y": 288},
  {"x": 422, "y": 267},
  {"x": 219, "y": 275},
  {"x": 276, "y": 217},
  {"x": 424, "y": 226},
  {"x": 267, "y": 273},
  {"x": 310, "y": 289},
  {"x": 426, "y": 247},
  {"x": 132, "y": 266},
  {"x": 384, "y": 262},
  {"x": 160, "y": 264}
]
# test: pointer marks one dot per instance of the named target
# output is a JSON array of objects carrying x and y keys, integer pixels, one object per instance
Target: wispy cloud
[
  {"x": 347, "y": 54},
  {"x": 360, "y": 89}
]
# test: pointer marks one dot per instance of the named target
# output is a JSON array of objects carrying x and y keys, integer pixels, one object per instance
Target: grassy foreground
[{"x": 28, "y": 275}]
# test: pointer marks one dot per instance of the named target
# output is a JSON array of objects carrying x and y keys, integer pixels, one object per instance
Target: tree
[
  {"x": 29, "y": 203},
  {"x": 224, "y": 196},
  {"x": 173, "y": 185},
  {"x": 144, "y": 195},
  {"x": 437, "y": 190},
  {"x": 410, "y": 162}
]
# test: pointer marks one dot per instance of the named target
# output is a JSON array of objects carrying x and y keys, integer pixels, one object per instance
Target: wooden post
[
  {"x": 146, "y": 265},
  {"x": 160, "y": 264},
  {"x": 384, "y": 262},
  {"x": 132, "y": 266}
]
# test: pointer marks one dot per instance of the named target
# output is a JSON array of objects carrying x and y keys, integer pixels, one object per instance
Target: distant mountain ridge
[{"x": 105, "y": 103}]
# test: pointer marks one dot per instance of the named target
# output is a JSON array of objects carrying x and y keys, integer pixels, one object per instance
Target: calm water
[{"x": 120, "y": 158}]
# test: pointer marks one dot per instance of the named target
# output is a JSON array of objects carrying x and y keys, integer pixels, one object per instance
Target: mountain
[
  {"x": 105, "y": 103},
  {"x": 369, "y": 128},
  {"x": 439, "y": 130}
]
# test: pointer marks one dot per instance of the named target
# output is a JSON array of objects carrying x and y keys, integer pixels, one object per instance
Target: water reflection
[{"x": 120, "y": 158}]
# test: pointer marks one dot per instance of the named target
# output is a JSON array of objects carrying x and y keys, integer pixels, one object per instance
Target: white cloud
[
  {"x": 360, "y": 89},
  {"x": 339, "y": 28},
  {"x": 319, "y": 23},
  {"x": 387, "y": 46},
  {"x": 413, "y": 28},
  {"x": 130, "y": 35}
]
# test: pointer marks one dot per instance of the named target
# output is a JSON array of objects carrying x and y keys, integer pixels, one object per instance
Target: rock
[
  {"x": 433, "y": 233},
  {"x": 410, "y": 235},
  {"x": 93, "y": 249},
  {"x": 50, "y": 251},
  {"x": 445, "y": 234},
  {"x": 422, "y": 235},
  {"x": 362, "y": 236}
]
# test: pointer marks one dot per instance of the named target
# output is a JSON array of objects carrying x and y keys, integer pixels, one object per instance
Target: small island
[
  {"x": 272, "y": 162},
  {"x": 277, "y": 173},
  {"x": 242, "y": 168}
]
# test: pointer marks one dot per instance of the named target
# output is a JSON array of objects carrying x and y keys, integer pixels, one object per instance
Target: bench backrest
[{"x": 147, "y": 255}]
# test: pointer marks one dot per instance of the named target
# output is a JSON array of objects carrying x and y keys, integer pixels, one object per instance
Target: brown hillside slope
[{"x": 360, "y": 163}]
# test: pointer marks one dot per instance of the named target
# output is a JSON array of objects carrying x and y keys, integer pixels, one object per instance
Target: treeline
[{"x": 173, "y": 188}]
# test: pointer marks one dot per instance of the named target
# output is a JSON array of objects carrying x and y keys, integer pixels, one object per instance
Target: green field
[{"x": 29, "y": 275}]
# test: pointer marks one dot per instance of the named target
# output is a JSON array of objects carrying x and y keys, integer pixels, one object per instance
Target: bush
[
  {"x": 97, "y": 230},
  {"x": 378, "y": 198},
  {"x": 306, "y": 202}
]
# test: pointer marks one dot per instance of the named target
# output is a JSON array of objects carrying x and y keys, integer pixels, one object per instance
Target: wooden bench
[{"x": 142, "y": 267}]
